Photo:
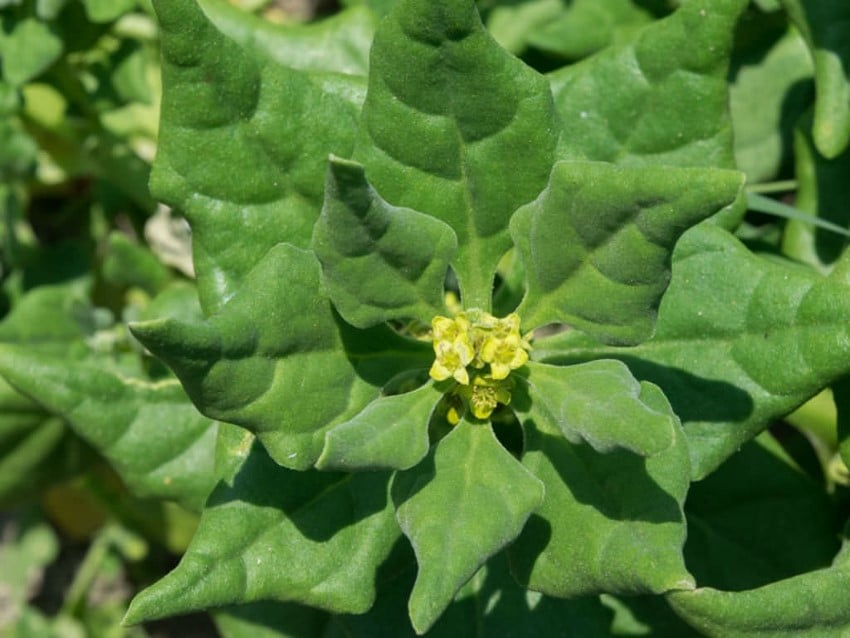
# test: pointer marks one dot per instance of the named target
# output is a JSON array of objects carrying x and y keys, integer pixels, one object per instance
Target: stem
[{"x": 773, "y": 187}]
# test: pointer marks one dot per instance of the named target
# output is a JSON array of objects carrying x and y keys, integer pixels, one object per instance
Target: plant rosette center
[{"x": 478, "y": 351}]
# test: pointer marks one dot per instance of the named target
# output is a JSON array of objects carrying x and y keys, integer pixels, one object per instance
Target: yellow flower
[
  {"x": 486, "y": 393},
  {"x": 453, "y": 348},
  {"x": 504, "y": 348}
]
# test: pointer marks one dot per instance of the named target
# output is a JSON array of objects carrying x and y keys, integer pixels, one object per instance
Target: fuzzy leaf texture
[
  {"x": 466, "y": 503},
  {"x": 596, "y": 243},
  {"x": 447, "y": 114},
  {"x": 379, "y": 262},
  {"x": 275, "y": 534},
  {"x": 610, "y": 522},
  {"x": 277, "y": 361},
  {"x": 740, "y": 341},
  {"x": 246, "y": 127}
]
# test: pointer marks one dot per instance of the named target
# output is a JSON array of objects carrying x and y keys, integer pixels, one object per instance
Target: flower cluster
[{"x": 478, "y": 351}]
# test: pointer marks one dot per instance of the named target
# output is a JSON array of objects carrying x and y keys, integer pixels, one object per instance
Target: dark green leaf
[
  {"x": 455, "y": 127},
  {"x": 596, "y": 244},
  {"x": 758, "y": 519},
  {"x": 380, "y": 262},
  {"x": 465, "y": 503},
  {"x": 825, "y": 24}
]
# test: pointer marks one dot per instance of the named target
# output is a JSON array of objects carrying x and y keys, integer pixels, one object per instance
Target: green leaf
[
  {"x": 274, "y": 534},
  {"x": 270, "y": 619},
  {"x": 570, "y": 30},
  {"x": 740, "y": 341},
  {"x": 35, "y": 448},
  {"x": 277, "y": 361},
  {"x": 469, "y": 500},
  {"x": 824, "y": 25},
  {"x": 610, "y": 522},
  {"x": 124, "y": 420},
  {"x": 28, "y": 47},
  {"x": 659, "y": 100},
  {"x": 455, "y": 127},
  {"x": 107, "y": 10},
  {"x": 600, "y": 403},
  {"x": 758, "y": 519},
  {"x": 596, "y": 244},
  {"x": 243, "y": 141},
  {"x": 129, "y": 264},
  {"x": 769, "y": 90},
  {"x": 390, "y": 433},
  {"x": 806, "y": 606},
  {"x": 380, "y": 262}
]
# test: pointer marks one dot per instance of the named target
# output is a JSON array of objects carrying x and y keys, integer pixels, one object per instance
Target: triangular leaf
[
  {"x": 466, "y": 503},
  {"x": 275, "y": 361},
  {"x": 740, "y": 341},
  {"x": 610, "y": 522},
  {"x": 455, "y": 127},
  {"x": 380, "y": 262},
  {"x": 150, "y": 432},
  {"x": 390, "y": 433},
  {"x": 243, "y": 142},
  {"x": 275, "y": 534},
  {"x": 596, "y": 244}
]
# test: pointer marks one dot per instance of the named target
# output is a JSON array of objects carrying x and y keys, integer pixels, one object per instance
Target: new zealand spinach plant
[{"x": 481, "y": 338}]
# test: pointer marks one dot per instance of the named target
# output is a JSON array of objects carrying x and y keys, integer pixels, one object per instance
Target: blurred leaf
[
  {"x": 28, "y": 47},
  {"x": 825, "y": 25}
]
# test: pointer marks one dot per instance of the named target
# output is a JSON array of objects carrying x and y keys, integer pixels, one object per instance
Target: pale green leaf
[
  {"x": 28, "y": 47},
  {"x": 379, "y": 262},
  {"x": 465, "y": 503},
  {"x": 275, "y": 534},
  {"x": 390, "y": 433},
  {"x": 596, "y": 244},
  {"x": 610, "y": 522},
  {"x": 455, "y": 127},
  {"x": 600, "y": 403}
]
